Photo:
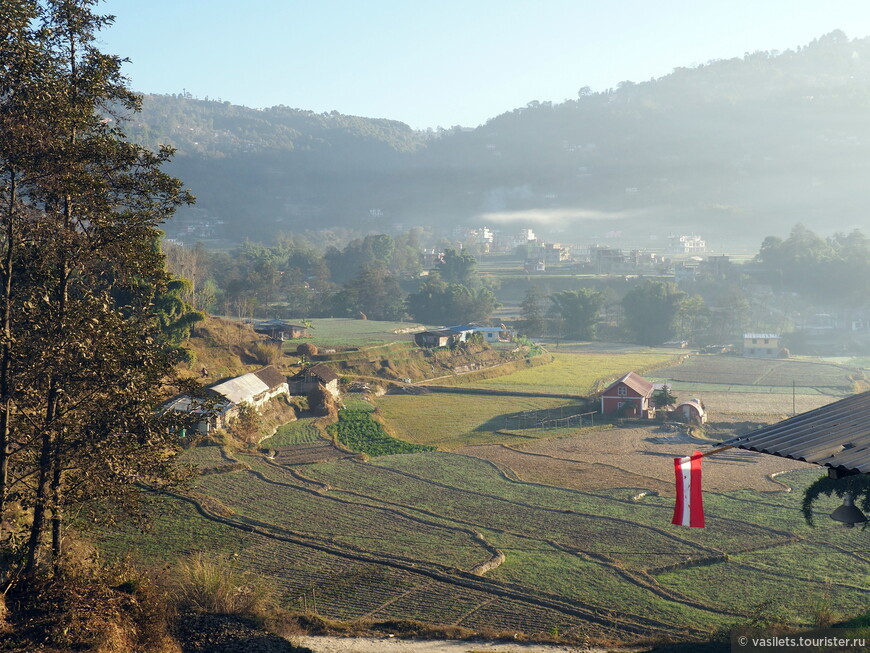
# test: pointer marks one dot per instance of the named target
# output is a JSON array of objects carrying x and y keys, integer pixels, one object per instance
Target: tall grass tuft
[
  {"x": 213, "y": 584},
  {"x": 265, "y": 353}
]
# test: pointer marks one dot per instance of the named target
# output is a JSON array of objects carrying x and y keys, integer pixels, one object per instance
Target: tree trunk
[{"x": 6, "y": 354}]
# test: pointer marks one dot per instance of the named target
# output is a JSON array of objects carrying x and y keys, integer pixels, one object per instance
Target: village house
[
  {"x": 310, "y": 378},
  {"x": 629, "y": 396},
  {"x": 221, "y": 402},
  {"x": 688, "y": 244},
  {"x": 437, "y": 338},
  {"x": 494, "y": 334},
  {"x": 761, "y": 345},
  {"x": 280, "y": 330}
]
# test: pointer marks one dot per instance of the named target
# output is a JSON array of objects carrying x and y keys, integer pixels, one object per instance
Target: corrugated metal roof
[
  {"x": 241, "y": 388},
  {"x": 836, "y": 435}
]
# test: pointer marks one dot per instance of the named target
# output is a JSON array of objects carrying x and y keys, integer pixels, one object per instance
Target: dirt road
[{"x": 394, "y": 645}]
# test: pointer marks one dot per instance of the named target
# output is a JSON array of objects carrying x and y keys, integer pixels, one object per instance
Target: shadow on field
[{"x": 543, "y": 418}]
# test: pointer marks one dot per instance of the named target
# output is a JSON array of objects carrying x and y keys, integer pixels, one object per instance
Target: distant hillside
[{"x": 734, "y": 149}]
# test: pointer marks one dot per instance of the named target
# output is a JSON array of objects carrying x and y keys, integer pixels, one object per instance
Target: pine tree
[{"x": 83, "y": 359}]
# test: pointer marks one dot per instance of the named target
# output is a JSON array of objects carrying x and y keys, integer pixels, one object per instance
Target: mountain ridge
[{"x": 768, "y": 139}]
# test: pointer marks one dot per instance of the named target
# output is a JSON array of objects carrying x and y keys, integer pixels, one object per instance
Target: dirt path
[{"x": 393, "y": 645}]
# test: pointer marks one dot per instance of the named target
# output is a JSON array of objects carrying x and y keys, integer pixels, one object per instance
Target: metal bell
[{"x": 848, "y": 513}]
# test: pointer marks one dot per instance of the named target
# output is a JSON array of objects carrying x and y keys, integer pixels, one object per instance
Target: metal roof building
[
  {"x": 253, "y": 387},
  {"x": 835, "y": 436}
]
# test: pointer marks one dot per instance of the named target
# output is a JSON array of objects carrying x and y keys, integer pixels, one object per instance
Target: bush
[
  {"x": 212, "y": 584},
  {"x": 86, "y": 606},
  {"x": 265, "y": 353},
  {"x": 246, "y": 427}
]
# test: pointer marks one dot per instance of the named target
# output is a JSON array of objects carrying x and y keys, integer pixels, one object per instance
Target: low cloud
[{"x": 557, "y": 217}]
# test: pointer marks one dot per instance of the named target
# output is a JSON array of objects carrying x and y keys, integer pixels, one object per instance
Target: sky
[{"x": 440, "y": 63}]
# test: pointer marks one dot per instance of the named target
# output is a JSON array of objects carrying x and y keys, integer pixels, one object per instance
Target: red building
[{"x": 630, "y": 396}]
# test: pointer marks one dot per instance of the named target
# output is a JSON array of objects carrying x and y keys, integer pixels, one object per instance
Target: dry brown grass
[
  {"x": 223, "y": 348},
  {"x": 647, "y": 451},
  {"x": 215, "y": 585},
  {"x": 560, "y": 472},
  {"x": 87, "y": 606}
]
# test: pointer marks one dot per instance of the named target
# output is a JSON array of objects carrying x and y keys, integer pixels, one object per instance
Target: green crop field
[
  {"x": 357, "y": 431},
  {"x": 512, "y": 539},
  {"x": 576, "y": 373},
  {"x": 449, "y": 421},
  {"x": 387, "y": 540},
  {"x": 300, "y": 431},
  {"x": 346, "y": 332}
]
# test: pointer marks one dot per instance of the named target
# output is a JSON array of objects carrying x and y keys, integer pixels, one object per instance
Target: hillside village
[
  {"x": 544, "y": 425},
  {"x": 456, "y": 384}
]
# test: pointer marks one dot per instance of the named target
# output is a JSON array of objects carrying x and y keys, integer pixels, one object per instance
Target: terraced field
[
  {"x": 455, "y": 539},
  {"x": 346, "y": 332},
  {"x": 515, "y": 533},
  {"x": 448, "y": 421}
]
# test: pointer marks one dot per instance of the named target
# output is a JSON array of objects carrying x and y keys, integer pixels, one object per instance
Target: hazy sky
[{"x": 433, "y": 63}]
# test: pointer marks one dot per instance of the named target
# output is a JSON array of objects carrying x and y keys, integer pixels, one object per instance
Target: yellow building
[{"x": 761, "y": 345}]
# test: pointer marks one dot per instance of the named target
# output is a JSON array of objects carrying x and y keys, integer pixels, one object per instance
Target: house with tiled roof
[
  {"x": 629, "y": 396},
  {"x": 308, "y": 379}
]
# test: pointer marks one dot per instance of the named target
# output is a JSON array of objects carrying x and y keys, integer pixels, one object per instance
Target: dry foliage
[
  {"x": 266, "y": 353},
  {"x": 212, "y": 584},
  {"x": 88, "y": 606},
  {"x": 307, "y": 349}
]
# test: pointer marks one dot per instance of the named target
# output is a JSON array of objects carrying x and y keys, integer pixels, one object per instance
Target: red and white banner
[{"x": 689, "y": 509}]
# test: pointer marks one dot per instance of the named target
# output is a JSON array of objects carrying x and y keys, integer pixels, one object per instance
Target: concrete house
[
  {"x": 761, "y": 345},
  {"x": 437, "y": 338},
  {"x": 630, "y": 396},
  {"x": 221, "y": 402},
  {"x": 489, "y": 334}
]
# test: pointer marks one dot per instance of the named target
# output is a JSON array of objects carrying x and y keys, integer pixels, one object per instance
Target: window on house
[
  {"x": 622, "y": 391},
  {"x": 766, "y": 341}
]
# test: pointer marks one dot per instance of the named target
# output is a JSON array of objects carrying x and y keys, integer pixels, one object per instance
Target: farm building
[
  {"x": 691, "y": 411},
  {"x": 222, "y": 400},
  {"x": 280, "y": 330},
  {"x": 254, "y": 388},
  {"x": 631, "y": 396},
  {"x": 308, "y": 379},
  {"x": 437, "y": 338},
  {"x": 199, "y": 415},
  {"x": 761, "y": 345},
  {"x": 490, "y": 334}
]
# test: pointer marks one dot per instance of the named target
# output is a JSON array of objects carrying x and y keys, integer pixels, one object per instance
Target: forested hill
[{"x": 734, "y": 149}]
